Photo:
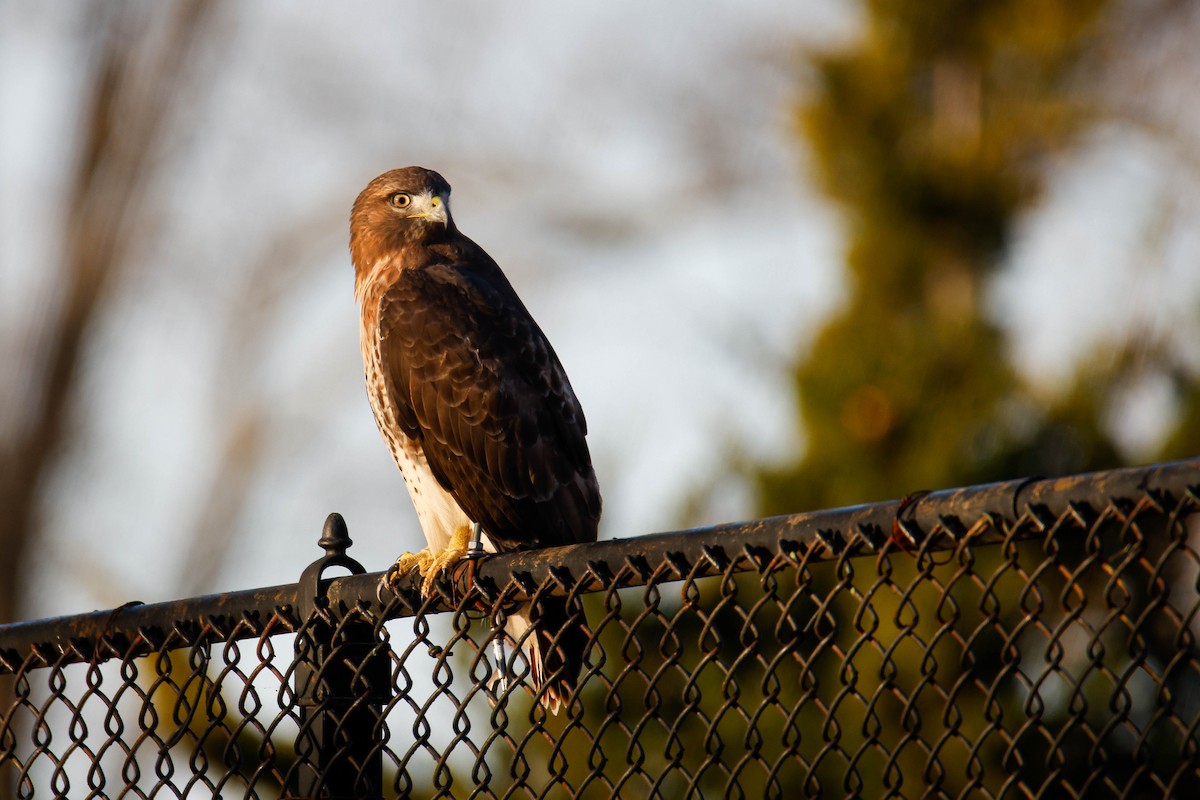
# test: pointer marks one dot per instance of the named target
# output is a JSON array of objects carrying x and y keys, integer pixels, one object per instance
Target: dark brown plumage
[{"x": 472, "y": 400}]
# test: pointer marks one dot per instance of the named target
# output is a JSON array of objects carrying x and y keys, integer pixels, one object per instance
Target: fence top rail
[{"x": 954, "y": 514}]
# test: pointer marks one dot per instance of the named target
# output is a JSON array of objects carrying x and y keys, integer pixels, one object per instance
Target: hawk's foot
[
  {"x": 436, "y": 563},
  {"x": 428, "y": 564}
]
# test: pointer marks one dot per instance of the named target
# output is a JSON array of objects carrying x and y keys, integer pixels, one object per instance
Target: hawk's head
[{"x": 399, "y": 208}]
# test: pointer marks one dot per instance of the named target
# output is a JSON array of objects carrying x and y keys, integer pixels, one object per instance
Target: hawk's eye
[{"x": 401, "y": 200}]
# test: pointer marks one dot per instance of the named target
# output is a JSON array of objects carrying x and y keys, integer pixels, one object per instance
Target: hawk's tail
[{"x": 554, "y": 649}]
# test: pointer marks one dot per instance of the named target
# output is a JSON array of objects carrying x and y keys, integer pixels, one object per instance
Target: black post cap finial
[{"x": 335, "y": 537}]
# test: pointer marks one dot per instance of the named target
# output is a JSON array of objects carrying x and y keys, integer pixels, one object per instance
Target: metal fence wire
[{"x": 1025, "y": 639}]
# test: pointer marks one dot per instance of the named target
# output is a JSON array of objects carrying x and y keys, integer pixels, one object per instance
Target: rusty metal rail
[{"x": 1023, "y": 639}]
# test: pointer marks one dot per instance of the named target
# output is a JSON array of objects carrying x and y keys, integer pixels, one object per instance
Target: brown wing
[{"x": 476, "y": 382}]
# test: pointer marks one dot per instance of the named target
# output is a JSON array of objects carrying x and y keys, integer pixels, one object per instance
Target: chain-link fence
[{"x": 1026, "y": 639}]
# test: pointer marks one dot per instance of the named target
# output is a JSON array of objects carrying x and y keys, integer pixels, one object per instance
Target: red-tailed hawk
[{"x": 472, "y": 402}]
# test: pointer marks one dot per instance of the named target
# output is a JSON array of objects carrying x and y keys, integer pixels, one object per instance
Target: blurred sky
[{"x": 632, "y": 167}]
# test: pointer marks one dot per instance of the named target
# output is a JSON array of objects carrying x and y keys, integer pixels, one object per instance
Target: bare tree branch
[{"x": 140, "y": 61}]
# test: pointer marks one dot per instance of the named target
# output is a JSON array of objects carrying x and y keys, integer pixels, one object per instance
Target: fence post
[{"x": 342, "y": 683}]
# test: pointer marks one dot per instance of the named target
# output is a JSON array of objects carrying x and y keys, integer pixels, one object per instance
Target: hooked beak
[{"x": 434, "y": 208}]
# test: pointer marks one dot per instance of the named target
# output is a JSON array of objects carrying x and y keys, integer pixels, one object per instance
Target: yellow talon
[
  {"x": 405, "y": 564},
  {"x": 409, "y": 561}
]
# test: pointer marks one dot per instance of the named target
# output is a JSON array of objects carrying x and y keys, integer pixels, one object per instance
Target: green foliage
[{"x": 931, "y": 133}]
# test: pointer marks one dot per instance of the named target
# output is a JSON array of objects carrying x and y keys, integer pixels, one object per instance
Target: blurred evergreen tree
[{"x": 932, "y": 132}]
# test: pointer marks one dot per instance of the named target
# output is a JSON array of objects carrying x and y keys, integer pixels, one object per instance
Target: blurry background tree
[
  {"x": 138, "y": 74},
  {"x": 935, "y": 133}
]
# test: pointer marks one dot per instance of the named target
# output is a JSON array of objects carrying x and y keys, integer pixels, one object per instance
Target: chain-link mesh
[{"x": 1030, "y": 639}]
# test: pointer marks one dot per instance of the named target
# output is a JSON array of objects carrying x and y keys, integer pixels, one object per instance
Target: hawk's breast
[{"x": 438, "y": 512}]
